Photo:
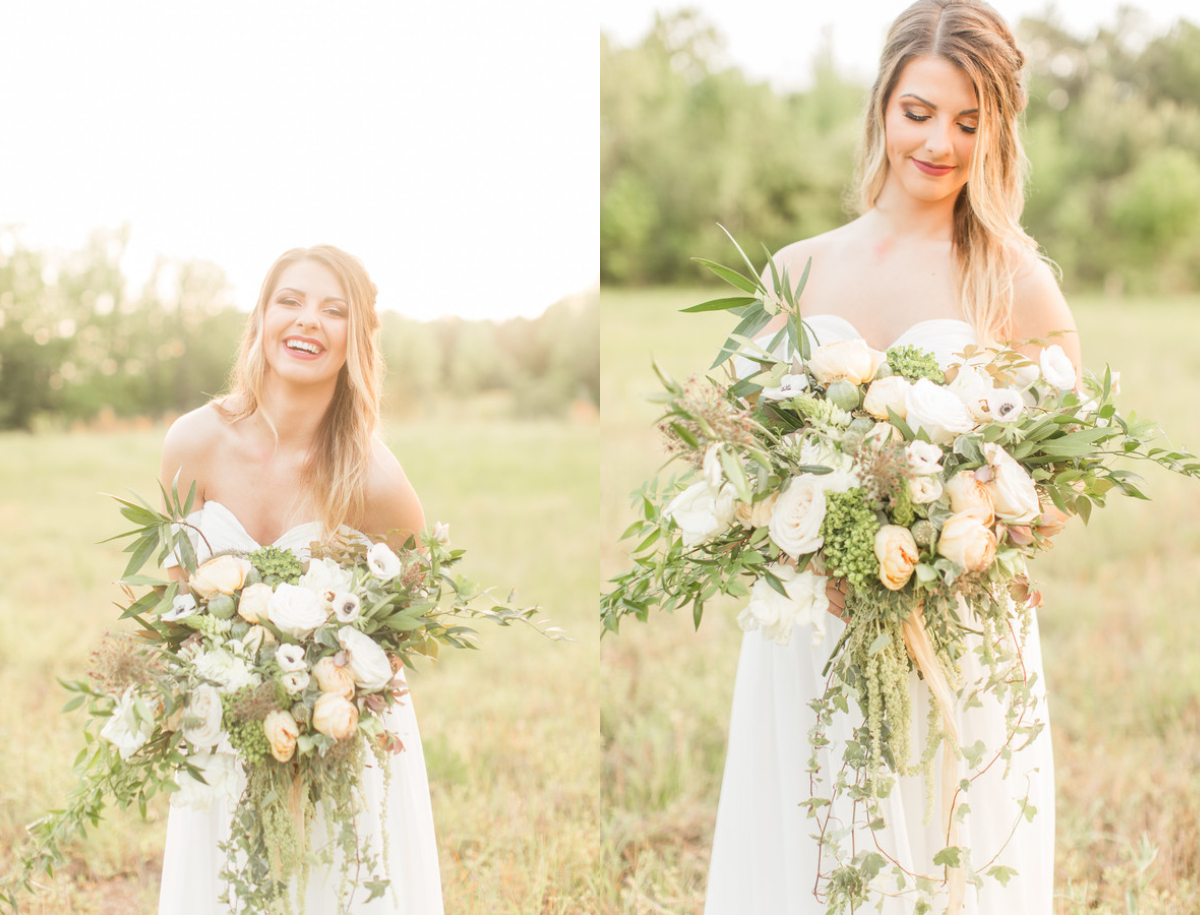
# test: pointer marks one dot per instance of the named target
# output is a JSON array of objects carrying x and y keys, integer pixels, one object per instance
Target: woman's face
[
  {"x": 306, "y": 324},
  {"x": 929, "y": 128}
]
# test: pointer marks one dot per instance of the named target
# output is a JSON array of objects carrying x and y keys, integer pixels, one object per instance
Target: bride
[
  {"x": 937, "y": 260},
  {"x": 288, "y": 458}
]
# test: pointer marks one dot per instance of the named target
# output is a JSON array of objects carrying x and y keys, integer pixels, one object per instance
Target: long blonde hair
[
  {"x": 990, "y": 245},
  {"x": 335, "y": 474}
]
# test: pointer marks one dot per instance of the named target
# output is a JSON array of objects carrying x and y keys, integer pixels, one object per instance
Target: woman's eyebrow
[{"x": 932, "y": 106}]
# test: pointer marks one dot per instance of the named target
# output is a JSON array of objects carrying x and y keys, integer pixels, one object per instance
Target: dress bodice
[
  {"x": 223, "y": 532},
  {"x": 944, "y": 337}
]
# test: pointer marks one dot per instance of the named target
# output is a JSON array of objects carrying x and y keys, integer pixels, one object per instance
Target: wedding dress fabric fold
[
  {"x": 765, "y": 858},
  {"x": 192, "y": 861}
]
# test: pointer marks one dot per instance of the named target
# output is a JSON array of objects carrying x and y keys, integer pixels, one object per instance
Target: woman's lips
[{"x": 930, "y": 169}]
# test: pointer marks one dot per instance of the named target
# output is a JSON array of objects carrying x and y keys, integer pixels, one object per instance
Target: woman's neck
[
  {"x": 901, "y": 215},
  {"x": 294, "y": 412}
]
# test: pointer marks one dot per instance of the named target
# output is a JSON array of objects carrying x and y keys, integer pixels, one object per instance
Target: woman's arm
[
  {"x": 1039, "y": 310},
  {"x": 392, "y": 504}
]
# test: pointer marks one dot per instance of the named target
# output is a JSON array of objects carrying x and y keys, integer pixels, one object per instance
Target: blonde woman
[
  {"x": 289, "y": 457},
  {"x": 937, "y": 259}
]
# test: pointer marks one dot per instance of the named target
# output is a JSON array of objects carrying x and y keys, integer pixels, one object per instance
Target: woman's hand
[{"x": 836, "y": 592}]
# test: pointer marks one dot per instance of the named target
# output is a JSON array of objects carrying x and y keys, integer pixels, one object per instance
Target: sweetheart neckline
[
  {"x": 238, "y": 521},
  {"x": 908, "y": 330}
]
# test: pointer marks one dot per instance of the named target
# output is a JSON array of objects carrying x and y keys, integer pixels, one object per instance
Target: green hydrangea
[
  {"x": 902, "y": 505},
  {"x": 276, "y": 565},
  {"x": 915, "y": 364},
  {"x": 849, "y": 530},
  {"x": 209, "y": 625}
]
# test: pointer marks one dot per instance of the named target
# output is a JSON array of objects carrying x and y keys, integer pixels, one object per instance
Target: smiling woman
[{"x": 289, "y": 456}]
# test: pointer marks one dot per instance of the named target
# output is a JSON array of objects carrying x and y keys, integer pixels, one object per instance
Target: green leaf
[
  {"x": 950, "y": 856},
  {"x": 720, "y": 304},
  {"x": 730, "y": 276},
  {"x": 754, "y": 319}
]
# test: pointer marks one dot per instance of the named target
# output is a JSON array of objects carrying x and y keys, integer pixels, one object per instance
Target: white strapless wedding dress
[
  {"x": 192, "y": 862},
  {"x": 764, "y": 859}
]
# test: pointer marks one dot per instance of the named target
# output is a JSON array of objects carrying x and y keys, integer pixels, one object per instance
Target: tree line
[
  {"x": 75, "y": 342},
  {"x": 1112, "y": 131}
]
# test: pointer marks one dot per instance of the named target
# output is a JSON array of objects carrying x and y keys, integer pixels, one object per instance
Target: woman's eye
[
  {"x": 916, "y": 117},
  {"x": 966, "y": 128},
  {"x": 287, "y": 301},
  {"x": 336, "y": 312}
]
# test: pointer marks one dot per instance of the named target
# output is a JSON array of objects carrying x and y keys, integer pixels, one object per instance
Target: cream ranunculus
[
  {"x": 885, "y": 393},
  {"x": 897, "y": 553},
  {"x": 852, "y": 360},
  {"x": 968, "y": 494},
  {"x": 129, "y": 727},
  {"x": 1012, "y": 489},
  {"x": 333, "y": 679},
  {"x": 297, "y": 611},
  {"x": 383, "y": 563},
  {"x": 757, "y": 514},
  {"x": 367, "y": 662},
  {"x": 252, "y": 604},
  {"x": 335, "y": 716},
  {"x": 972, "y": 386},
  {"x": 925, "y": 489},
  {"x": 281, "y": 731},
  {"x": 938, "y": 411},
  {"x": 968, "y": 541},
  {"x": 220, "y": 575},
  {"x": 924, "y": 458},
  {"x": 220, "y": 772},
  {"x": 701, "y": 512},
  {"x": 202, "y": 717},
  {"x": 796, "y": 522},
  {"x": 1057, "y": 368},
  {"x": 777, "y": 616},
  {"x": 325, "y": 575}
]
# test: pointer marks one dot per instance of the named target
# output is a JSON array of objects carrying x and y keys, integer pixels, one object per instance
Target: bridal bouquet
[
  {"x": 921, "y": 493},
  {"x": 263, "y": 681}
]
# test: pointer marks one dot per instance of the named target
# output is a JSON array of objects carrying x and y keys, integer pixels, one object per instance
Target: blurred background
[
  {"x": 748, "y": 114},
  {"x": 157, "y": 159}
]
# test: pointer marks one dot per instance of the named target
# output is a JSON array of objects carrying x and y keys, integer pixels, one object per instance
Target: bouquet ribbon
[{"x": 920, "y": 650}]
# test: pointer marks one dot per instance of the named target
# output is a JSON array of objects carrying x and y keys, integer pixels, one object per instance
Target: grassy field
[
  {"x": 1120, "y": 629},
  {"x": 509, "y": 732}
]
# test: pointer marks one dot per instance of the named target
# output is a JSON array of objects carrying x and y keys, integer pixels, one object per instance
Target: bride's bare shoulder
[
  {"x": 190, "y": 444},
  {"x": 392, "y": 503},
  {"x": 818, "y": 248}
]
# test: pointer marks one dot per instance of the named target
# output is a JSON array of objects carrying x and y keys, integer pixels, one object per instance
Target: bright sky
[
  {"x": 776, "y": 40},
  {"x": 453, "y": 147}
]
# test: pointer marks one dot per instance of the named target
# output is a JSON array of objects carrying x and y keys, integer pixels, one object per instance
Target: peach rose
[
  {"x": 897, "y": 553},
  {"x": 852, "y": 360},
  {"x": 1013, "y": 494},
  {"x": 334, "y": 679},
  {"x": 967, "y": 540},
  {"x": 221, "y": 575},
  {"x": 968, "y": 494},
  {"x": 282, "y": 732},
  {"x": 887, "y": 393},
  {"x": 252, "y": 605},
  {"x": 757, "y": 514},
  {"x": 334, "y": 716}
]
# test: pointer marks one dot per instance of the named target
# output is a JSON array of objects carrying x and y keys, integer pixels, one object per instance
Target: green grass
[
  {"x": 1120, "y": 630},
  {"x": 509, "y": 732}
]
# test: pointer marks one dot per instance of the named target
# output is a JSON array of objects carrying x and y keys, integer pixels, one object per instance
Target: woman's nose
[{"x": 937, "y": 138}]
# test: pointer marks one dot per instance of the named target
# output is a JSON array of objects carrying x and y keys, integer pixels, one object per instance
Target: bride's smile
[{"x": 306, "y": 326}]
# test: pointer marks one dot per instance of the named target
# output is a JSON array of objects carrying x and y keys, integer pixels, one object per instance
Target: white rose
[
  {"x": 777, "y": 616},
  {"x": 887, "y": 393},
  {"x": 852, "y": 360},
  {"x": 295, "y": 681},
  {"x": 881, "y": 433},
  {"x": 325, "y": 575},
  {"x": 383, "y": 563},
  {"x": 795, "y": 524},
  {"x": 202, "y": 717},
  {"x": 253, "y": 640},
  {"x": 296, "y": 610},
  {"x": 924, "y": 458},
  {"x": 925, "y": 489},
  {"x": 229, "y": 672},
  {"x": 1012, "y": 489},
  {"x": 182, "y": 606},
  {"x": 938, "y": 411},
  {"x": 1024, "y": 374},
  {"x": 220, "y": 772},
  {"x": 972, "y": 386},
  {"x": 714, "y": 474},
  {"x": 1057, "y": 369},
  {"x": 252, "y": 604},
  {"x": 367, "y": 662},
  {"x": 131, "y": 724},
  {"x": 290, "y": 657},
  {"x": 702, "y": 512},
  {"x": 1005, "y": 405},
  {"x": 789, "y": 386}
]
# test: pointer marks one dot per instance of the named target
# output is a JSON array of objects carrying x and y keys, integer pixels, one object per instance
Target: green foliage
[{"x": 1113, "y": 134}]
